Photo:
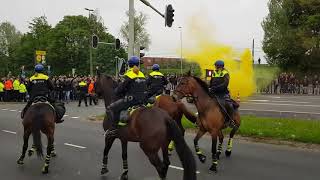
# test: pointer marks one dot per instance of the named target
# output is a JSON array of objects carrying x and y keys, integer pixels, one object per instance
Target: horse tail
[
  {"x": 185, "y": 155},
  {"x": 189, "y": 115},
  {"x": 36, "y": 127}
]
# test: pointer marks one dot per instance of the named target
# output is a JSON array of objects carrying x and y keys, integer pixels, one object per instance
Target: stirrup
[{"x": 111, "y": 133}]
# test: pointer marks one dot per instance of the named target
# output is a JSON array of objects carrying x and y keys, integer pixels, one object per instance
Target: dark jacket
[
  {"x": 219, "y": 82},
  {"x": 39, "y": 85}
]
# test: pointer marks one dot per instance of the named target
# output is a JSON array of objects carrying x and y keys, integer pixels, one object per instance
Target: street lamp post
[
  {"x": 90, "y": 44},
  {"x": 180, "y": 50}
]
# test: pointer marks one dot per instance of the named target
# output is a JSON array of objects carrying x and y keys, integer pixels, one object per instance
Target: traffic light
[
  {"x": 169, "y": 15},
  {"x": 95, "y": 41},
  {"x": 117, "y": 43},
  {"x": 142, "y": 54},
  {"x": 209, "y": 72}
]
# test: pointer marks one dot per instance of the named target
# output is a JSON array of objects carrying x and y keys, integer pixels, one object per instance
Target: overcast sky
[{"x": 234, "y": 22}]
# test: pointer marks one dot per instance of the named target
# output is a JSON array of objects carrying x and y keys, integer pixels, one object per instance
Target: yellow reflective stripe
[
  {"x": 39, "y": 76},
  {"x": 133, "y": 75},
  {"x": 156, "y": 73},
  {"x": 22, "y": 88},
  {"x": 1, "y": 87},
  {"x": 219, "y": 73},
  {"x": 82, "y": 83}
]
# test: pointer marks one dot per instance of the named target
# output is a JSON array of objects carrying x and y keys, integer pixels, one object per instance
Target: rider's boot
[
  {"x": 58, "y": 121},
  {"x": 23, "y": 112},
  {"x": 112, "y": 131}
]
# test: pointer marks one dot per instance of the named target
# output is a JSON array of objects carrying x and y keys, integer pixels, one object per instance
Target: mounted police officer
[
  {"x": 219, "y": 87},
  {"x": 40, "y": 86},
  {"x": 156, "y": 81},
  {"x": 131, "y": 92}
]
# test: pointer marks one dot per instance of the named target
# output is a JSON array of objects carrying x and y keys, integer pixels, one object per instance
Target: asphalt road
[{"x": 79, "y": 144}]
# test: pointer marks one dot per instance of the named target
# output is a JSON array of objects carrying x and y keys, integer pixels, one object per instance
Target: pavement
[{"x": 79, "y": 144}]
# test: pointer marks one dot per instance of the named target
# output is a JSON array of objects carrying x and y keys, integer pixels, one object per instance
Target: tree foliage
[
  {"x": 292, "y": 34},
  {"x": 141, "y": 35},
  {"x": 67, "y": 45}
]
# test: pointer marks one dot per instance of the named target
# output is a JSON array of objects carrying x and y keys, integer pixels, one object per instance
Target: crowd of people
[
  {"x": 289, "y": 83},
  {"x": 66, "y": 89}
]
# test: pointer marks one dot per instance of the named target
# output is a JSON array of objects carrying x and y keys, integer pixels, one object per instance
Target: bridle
[{"x": 188, "y": 96}]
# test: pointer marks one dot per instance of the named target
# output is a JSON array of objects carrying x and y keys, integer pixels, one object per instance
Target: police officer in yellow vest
[
  {"x": 16, "y": 85},
  {"x": 156, "y": 81},
  {"x": 83, "y": 89},
  {"x": 219, "y": 86},
  {"x": 22, "y": 92},
  {"x": 131, "y": 92},
  {"x": 40, "y": 86},
  {"x": 1, "y": 90}
]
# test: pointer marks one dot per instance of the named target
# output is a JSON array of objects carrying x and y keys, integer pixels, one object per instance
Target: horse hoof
[
  {"x": 53, "y": 154},
  {"x": 124, "y": 177},
  {"x": 45, "y": 170},
  {"x": 213, "y": 169},
  {"x": 30, "y": 152},
  {"x": 202, "y": 158},
  {"x": 104, "y": 170},
  {"x": 218, "y": 155},
  {"x": 20, "y": 162},
  {"x": 228, "y": 153}
]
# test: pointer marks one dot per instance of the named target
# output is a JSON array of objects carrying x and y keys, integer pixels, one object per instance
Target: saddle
[
  {"x": 125, "y": 115},
  {"x": 58, "y": 108}
]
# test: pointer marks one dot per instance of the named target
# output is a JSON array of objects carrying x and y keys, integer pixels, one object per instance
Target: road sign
[{"x": 41, "y": 56}]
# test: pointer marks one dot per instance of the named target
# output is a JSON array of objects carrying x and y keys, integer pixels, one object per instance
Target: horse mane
[{"x": 202, "y": 84}]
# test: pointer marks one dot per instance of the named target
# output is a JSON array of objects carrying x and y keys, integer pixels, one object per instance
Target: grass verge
[{"x": 307, "y": 131}]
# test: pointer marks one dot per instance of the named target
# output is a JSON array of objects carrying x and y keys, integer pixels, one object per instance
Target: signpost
[{"x": 41, "y": 56}]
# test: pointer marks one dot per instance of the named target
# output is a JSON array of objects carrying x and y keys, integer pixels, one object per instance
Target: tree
[
  {"x": 141, "y": 35},
  {"x": 292, "y": 34},
  {"x": 9, "y": 42}
]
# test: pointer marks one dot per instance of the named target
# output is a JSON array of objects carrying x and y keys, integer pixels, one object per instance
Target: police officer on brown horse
[
  {"x": 156, "y": 81},
  {"x": 40, "y": 86},
  {"x": 131, "y": 92},
  {"x": 219, "y": 88}
]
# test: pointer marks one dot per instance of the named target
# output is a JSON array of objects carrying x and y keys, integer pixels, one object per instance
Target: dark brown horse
[
  {"x": 211, "y": 117},
  {"x": 153, "y": 128},
  {"x": 40, "y": 117}
]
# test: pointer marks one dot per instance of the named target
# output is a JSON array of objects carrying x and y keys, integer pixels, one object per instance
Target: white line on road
[
  {"x": 265, "y": 100},
  {"x": 65, "y": 115},
  {"x": 11, "y": 132},
  {"x": 73, "y": 145},
  {"x": 179, "y": 168},
  {"x": 277, "y": 111},
  {"x": 275, "y": 104},
  {"x": 4, "y": 109},
  {"x": 13, "y": 110},
  {"x": 75, "y": 117}
]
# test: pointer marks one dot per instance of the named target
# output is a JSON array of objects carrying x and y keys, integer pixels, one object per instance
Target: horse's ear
[{"x": 188, "y": 73}]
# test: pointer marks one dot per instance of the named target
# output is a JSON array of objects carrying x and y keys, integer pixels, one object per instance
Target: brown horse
[
  {"x": 40, "y": 117},
  {"x": 211, "y": 116},
  {"x": 153, "y": 128}
]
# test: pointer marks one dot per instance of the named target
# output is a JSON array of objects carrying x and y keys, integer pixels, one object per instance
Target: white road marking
[
  {"x": 276, "y": 97},
  {"x": 179, "y": 168},
  {"x": 65, "y": 115},
  {"x": 277, "y": 111},
  {"x": 11, "y": 132},
  {"x": 76, "y": 146},
  {"x": 75, "y": 117},
  {"x": 19, "y": 111},
  {"x": 265, "y": 100},
  {"x": 259, "y": 100},
  {"x": 297, "y": 105},
  {"x": 13, "y": 110},
  {"x": 4, "y": 109}
]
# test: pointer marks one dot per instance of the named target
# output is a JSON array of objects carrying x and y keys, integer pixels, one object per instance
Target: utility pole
[
  {"x": 181, "y": 67},
  {"x": 90, "y": 44},
  {"x": 252, "y": 51},
  {"x": 131, "y": 29}
]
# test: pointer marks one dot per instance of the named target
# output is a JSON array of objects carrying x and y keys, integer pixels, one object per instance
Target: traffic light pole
[
  {"x": 148, "y": 4},
  {"x": 131, "y": 29}
]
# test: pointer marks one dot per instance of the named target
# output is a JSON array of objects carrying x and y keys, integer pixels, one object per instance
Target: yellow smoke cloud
[{"x": 205, "y": 51}]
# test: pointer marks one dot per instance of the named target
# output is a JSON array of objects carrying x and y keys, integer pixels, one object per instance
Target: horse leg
[
  {"x": 166, "y": 160},
  {"x": 221, "y": 136},
  {"x": 235, "y": 128},
  {"x": 156, "y": 162},
  {"x": 214, "y": 165},
  {"x": 201, "y": 157},
  {"x": 124, "y": 145},
  {"x": 26, "y": 136},
  {"x": 32, "y": 150},
  {"x": 45, "y": 169},
  {"x": 108, "y": 144}
]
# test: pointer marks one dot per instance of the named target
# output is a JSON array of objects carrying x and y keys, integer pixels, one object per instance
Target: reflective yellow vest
[
  {"x": 39, "y": 76},
  {"x": 218, "y": 74},
  {"x": 22, "y": 88},
  {"x": 1, "y": 87},
  {"x": 16, "y": 85},
  {"x": 82, "y": 84},
  {"x": 133, "y": 75},
  {"x": 156, "y": 73}
]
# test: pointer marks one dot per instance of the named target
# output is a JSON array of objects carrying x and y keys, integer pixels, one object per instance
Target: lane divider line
[
  {"x": 76, "y": 146},
  {"x": 11, "y": 132},
  {"x": 13, "y": 110},
  {"x": 180, "y": 168},
  {"x": 65, "y": 115},
  {"x": 4, "y": 109},
  {"x": 75, "y": 117}
]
